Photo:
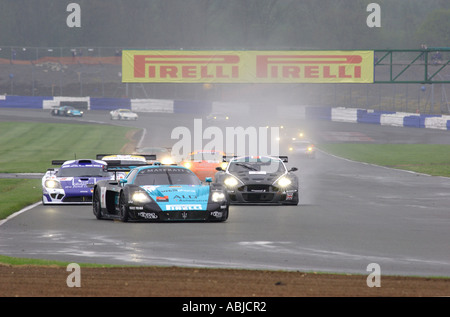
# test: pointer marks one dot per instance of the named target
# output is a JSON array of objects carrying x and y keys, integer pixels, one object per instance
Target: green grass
[
  {"x": 30, "y": 147},
  {"x": 27, "y": 147},
  {"x": 16, "y": 194},
  {"x": 27, "y": 261},
  {"x": 432, "y": 159}
]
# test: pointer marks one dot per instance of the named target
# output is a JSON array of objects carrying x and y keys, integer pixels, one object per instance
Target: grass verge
[
  {"x": 29, "y": 147},
  {"x": 432, "y": 159},
  {"x": 8, "y": 260},
  {"x": 16, "y": 194}
]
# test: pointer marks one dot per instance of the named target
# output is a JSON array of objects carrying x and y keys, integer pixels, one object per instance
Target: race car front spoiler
[{"x": 214, "y": 212}]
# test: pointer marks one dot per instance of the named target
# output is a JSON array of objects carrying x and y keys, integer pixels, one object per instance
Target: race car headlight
[
  {"x": 217, "y": 197},
  {"x": 51, "y": 183},
  {"x": 231, "y": 182},
  {"x": 140, "y": 197},
  {"x": 284, "y": 182}
]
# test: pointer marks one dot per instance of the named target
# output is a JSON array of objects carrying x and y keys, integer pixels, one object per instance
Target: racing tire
[
  {"x": 96, "y": 205},
  {"x": 123, "y": 209}
]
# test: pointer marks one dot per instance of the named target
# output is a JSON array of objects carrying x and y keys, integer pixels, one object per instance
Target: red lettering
[
  {"x": 342, "y": 72},
  {"x": 219, "y": 72},
  {"x": 204, "y": 72},
  {"x": 274, "y": 71},
  {"x": 139, "y": 66},
  {"x": 326, "y": 72},
  {"x": 188, "y": 71},
  {"x": 311, "y": 71},
  {"x": 168, "y": 71},
  {"x": 291, "y": 72},
  {"x": 357, "y": 71},
  {"x": 235, "y": 72}
]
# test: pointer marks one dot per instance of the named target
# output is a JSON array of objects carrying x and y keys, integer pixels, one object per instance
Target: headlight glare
[
  {"x": 284, "y": 182},
  {"x": 54, "y": 184},
  {"x": 167, "y": 161},
  {"x": 140, "y": 197},
  {"x": 231, "y": 182},
  {"x": 217, "y": 197}
]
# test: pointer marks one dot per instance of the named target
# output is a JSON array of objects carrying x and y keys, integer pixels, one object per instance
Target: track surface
[{"x": 350, "y": 215}]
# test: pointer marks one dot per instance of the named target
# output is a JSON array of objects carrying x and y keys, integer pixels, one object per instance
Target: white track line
[{"x": 19, "y": 212}]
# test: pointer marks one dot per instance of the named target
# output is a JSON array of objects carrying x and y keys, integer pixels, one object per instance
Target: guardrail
[{"x": 337, "y": 114}]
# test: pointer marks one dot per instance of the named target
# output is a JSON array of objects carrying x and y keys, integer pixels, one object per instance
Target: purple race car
[{"x": 73, "y": 182}]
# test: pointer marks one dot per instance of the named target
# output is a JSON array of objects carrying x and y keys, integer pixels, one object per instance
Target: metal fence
[{"x": 96, "y": 72}]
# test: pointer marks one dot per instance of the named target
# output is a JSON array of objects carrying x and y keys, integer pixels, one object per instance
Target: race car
[
  {"x": 159, "y": 193},
  {"x": 123, "y": 114},
  {"x": 162, "y": 154},
  {"x": 302, "y": 148},
  {"x": 217, "y": 117},
  {"x": 125, "y": 160},
  {"x": 259, "y": 180},
  {"x": 204, "y": 163},
  {"x": 67, "y": 111},
  {"x": 73, "y": 181}
]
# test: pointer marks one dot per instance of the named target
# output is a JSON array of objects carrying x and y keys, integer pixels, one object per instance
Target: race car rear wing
[
  {"x": 148, "y": 157},
  {"x": 283, "y": 158},
  {"x": 58, "y": 162}
]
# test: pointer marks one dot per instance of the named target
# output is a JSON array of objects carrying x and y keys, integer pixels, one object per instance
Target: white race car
[
  {"x": 73, "y": 181},
  {"x": 123, "y": 114}
]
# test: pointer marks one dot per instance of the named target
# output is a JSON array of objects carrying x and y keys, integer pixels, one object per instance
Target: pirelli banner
[{"x": 154, "y": 66}]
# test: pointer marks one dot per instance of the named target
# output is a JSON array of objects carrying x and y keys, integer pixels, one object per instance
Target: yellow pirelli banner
[{"x": 170, "y": 66}]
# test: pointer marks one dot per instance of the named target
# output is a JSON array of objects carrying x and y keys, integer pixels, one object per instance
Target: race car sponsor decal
[
  {"x": 320, "y": 66},
  {"x": 184, "y": 197},
  {"x": 217, "y": 214},
  {"x": 258, "y": 172},
  {"x": 184, "y": 207},
  {"x": 164, "y": 198},
  {"x": 147, "y": 215}
]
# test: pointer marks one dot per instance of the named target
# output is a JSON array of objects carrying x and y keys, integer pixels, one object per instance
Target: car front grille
[{"x": 78, "y": 199}]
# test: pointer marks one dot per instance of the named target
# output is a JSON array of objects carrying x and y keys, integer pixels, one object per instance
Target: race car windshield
[
  {"x": 256, "y": 165},
  {"x": 166, "y": 176},
  {"x": 82, "y": 172}
]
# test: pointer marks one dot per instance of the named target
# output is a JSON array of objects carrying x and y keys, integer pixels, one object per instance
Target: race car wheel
[
  {"x": 123, "y": 208},
  {"x": 96, "y": 206}
]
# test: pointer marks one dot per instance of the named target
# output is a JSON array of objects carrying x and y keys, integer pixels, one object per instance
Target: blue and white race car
[
  {"x": 67, "y": 111},
  {"x": 73, "y": 181},
  {"x": 159, "y": 193}
]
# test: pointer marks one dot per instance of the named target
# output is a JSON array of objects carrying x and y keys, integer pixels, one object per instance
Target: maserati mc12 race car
[{"x": 159, "y": 193}]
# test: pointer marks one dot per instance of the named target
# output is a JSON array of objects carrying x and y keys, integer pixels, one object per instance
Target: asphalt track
[{"x": 350, "y": 215}]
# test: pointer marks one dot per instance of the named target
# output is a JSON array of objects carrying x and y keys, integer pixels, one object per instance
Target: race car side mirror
[
  {"x": 123, "y": 181},
  {"x": 218, "y": 168},
  {"x": 208, "y": 179},
  {"x": 293, "y": 169}
]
